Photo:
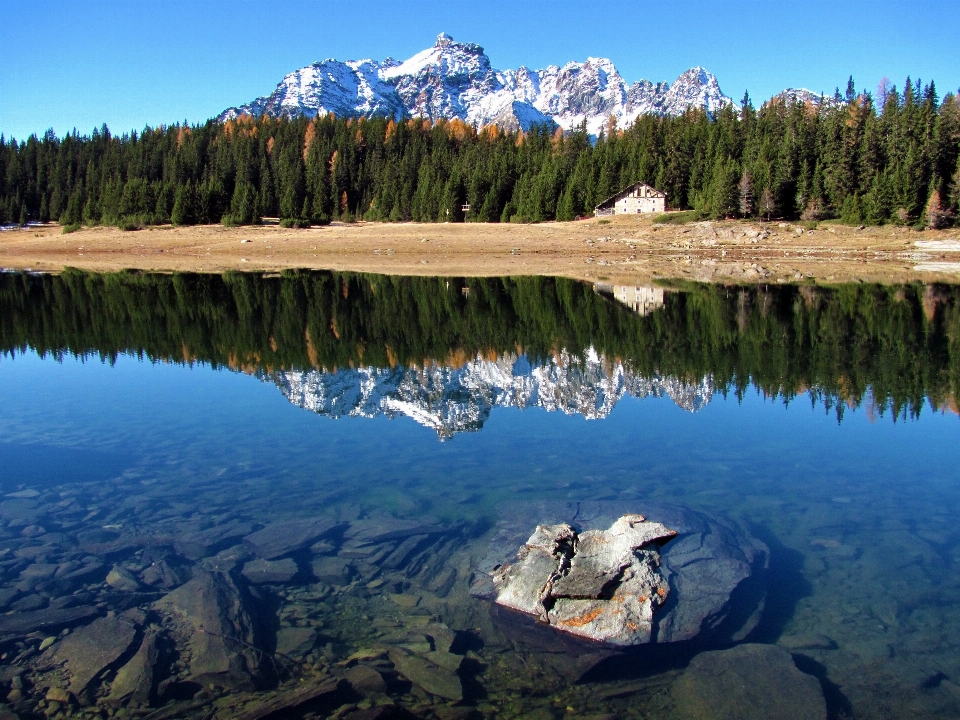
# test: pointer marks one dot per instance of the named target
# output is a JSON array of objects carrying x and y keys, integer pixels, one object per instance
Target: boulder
[
  {"x": 323, "y": 691},
  {"x": 93, "y": 648},
  {"x": 295, "y": 642},
  {"x": 217, "y": 629},
  {"x": 713, "y": 568},
  {"x": 209, "y": 541},
  {"x": 44, "y": 620},
  {"x": 365, "y": 680},
  {"x": 601, "y": 584},
  {"x": 270, "y": 571},
  {"x": 747, "y": 682},
  {"x": 280, "y": 538},
  {"x": 121, "y": 579},
  {"x": 135, "y": 680},
  {"x": 436, "y": 680}
]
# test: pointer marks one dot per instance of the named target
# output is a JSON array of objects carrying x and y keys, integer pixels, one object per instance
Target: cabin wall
[{"x": 633, "y": 205}]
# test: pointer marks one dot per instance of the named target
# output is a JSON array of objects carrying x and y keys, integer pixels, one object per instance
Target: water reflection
[
  {"x": 890, "y": 348},
  {"x": 459, "y": 399},
  {"x": 179, "y": 539}
]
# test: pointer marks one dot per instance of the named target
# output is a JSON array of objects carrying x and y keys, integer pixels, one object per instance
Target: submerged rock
[
  {"x": 218, "y": 630},
  {"x": 710, "y": 567},
  {"x": 270, "y": 571},
  {"x": 121, "y": 579},
  {"x": 50, "y": 619},
  {"x": 323, "y": 691},
  {"x": 281, "y": 538},
  {"x": 435, "y": 679},
  {"x": 295, "y": 642},
  {"x": 366, "y": 680},
  {"x": 601, "y": 584},
  {"x": 135, "y": 680},
  {"x": 93, "y": 648},
  {"x": 747, "y": 682}
]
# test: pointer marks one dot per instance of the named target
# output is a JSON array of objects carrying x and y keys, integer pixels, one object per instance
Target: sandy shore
[{"x": 624, "y": 250}]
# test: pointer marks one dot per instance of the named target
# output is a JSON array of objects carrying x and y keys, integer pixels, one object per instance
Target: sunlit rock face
[
  {"x": 459, "y": 399},
  {"x": 602, "y": 585},
  {"x": 456, "y": 80}
]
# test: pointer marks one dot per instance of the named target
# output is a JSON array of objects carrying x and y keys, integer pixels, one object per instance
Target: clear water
[{"x": 860, "y": 514}]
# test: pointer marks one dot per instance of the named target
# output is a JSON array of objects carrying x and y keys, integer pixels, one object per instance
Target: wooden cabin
[{"x": 633, "y": 200}]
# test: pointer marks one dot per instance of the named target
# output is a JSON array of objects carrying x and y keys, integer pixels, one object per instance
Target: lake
[{"x": 270, "y": 496}]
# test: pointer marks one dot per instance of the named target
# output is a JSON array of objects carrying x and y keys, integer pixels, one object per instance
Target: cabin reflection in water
[{"x": 643, "y": 300}]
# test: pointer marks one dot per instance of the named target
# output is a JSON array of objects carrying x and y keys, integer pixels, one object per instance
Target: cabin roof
[{"x": 631, "y": 188}]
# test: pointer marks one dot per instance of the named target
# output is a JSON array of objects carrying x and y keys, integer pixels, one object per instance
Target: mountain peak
[{"x": 452, "y": 79}]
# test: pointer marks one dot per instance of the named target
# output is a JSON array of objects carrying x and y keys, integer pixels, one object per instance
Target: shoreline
[{"x": 622, "y": 250}]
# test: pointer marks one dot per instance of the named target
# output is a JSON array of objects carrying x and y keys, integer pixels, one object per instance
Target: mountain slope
[{"x": 456, "y": 80}]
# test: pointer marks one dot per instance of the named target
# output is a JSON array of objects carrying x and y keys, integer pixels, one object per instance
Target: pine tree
[
  {"x": 767, "y": 205},
  {"x": 724, "y": 189},
  {"x": 746, "y": 194},
  {"x": 955, "y": 192},
  {"x": 184, "y": 205},
  {"x": 937, "y": 216}
]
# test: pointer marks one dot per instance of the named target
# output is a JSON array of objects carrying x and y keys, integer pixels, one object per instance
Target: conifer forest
[{"x": 862, "y": 159}]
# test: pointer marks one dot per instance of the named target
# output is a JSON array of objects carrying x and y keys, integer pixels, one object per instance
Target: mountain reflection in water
[
  {"x": 175, "y": 536},
  {"x": 368, "y": 343},
  {"x": 459, "y": 399}
]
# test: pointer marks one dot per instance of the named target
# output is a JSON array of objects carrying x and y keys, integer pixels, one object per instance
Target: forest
[
  {"x": 858, "y": 158},
  {"x": 895, "y": 348}
]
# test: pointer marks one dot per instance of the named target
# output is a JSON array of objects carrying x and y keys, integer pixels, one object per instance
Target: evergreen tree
[
  {"x": 185, "y": 205},
  {"x": 767, "y": 205},
  {"x": 724, "y": 191},
  {"x": 746, "y": 195},
  {"x": 936, "y": 215}
]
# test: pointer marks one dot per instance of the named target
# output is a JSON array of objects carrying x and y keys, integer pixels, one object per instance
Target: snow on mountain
[
  {"x": 803, "y": 96},
  {"x": 456, "y": 80},
  {"x": 453, "y": 400}
]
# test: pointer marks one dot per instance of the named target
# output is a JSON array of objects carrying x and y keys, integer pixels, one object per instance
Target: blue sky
[{"x": 72, "y": 63}]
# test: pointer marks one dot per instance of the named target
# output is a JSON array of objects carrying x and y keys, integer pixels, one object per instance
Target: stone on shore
[{"x": 747, "y": 682}]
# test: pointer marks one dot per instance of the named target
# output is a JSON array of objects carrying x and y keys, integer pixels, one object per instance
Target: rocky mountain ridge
[
  {"x": 456, "y": 80},
  {"x": 454, "y": 400}
]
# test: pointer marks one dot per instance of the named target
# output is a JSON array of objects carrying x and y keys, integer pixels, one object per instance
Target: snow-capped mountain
[
  {"x": 453, "y": 400},
  {"x": 803, "y": 96},
  {"x": 456, "y": 80}
]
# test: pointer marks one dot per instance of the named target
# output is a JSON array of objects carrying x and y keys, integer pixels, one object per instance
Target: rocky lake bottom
[{"x": 179, "y": 539}]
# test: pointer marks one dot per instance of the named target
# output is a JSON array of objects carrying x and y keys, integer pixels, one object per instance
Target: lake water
[{"x": 149, "y": 424}]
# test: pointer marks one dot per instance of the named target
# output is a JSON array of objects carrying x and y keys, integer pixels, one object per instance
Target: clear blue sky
[{"x": 80, "y": 63}]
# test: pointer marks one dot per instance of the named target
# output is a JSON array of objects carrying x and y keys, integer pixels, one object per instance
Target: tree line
[
  {"x": 896, "y": 348},
  {"x": 889, "y": 158}
]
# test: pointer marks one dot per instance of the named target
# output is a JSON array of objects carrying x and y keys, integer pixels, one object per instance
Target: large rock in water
[
  {"x": 217, "y": 631},
  {"x": 711, "y": 566},
  {"x": 748, "y": 682},
  {"x": 601, "y": 584},
  {"x": 91, "y": 649}
]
